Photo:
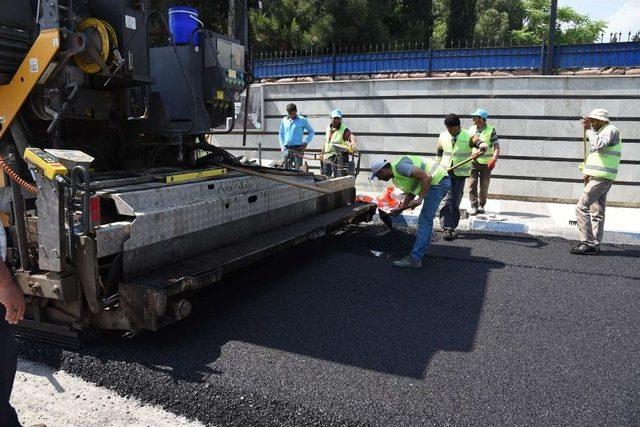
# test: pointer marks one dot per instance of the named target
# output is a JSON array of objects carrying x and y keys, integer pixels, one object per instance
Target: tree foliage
[
  {"x": 318, "y": 24},
  {"x": 497, "y": 19},
  {"x": 461, "y": 22},
  {"x": 573, "y": 27}
]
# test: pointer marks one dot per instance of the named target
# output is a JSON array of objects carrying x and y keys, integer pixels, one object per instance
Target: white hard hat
[
  {"x": 377, "y": 165},
  {"x": 599, "y": 114}
]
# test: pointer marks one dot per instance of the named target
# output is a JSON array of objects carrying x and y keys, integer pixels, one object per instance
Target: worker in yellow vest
[
  {"x": 481, "y": 168},
  {"x": 337, "y": 138},
  {"x": 454, "y": 146},
  {"x": 417, "y": 177},
  {"x": 600, "y": 170}
]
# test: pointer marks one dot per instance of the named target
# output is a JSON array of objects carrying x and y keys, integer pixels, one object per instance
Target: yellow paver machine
[{"x": 115, "y": 206}]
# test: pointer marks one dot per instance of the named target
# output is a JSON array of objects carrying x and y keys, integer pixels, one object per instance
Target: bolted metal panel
[
  {"x": 51, "y": 227},
  {"x": 48, "y": 285}
]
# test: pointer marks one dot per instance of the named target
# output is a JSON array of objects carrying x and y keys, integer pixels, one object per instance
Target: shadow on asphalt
[{"x": 332, "y": 300}]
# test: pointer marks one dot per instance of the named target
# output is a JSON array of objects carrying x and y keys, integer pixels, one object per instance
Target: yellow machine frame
[{"x": 33, "y": 67}]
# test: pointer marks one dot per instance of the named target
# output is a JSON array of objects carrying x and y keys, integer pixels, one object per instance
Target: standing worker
[
  {"x": 337, "y": 134},
  {"x": 600, "y": 170},
  {"x": 11, "y": 311},
  {"x": 420, "y": 177},
  {"x": 292, "y": 145},
  {"x": 481, "y": 168},
  {"x": 454, "y": 146}
]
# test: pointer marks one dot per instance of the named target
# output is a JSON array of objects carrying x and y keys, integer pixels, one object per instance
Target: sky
[{"x": 622, "y": 15}]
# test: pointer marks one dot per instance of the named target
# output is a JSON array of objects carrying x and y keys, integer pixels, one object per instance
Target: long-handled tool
[
  {"x": 248, "y": 171},
  {"x": 464, "y": 162}
]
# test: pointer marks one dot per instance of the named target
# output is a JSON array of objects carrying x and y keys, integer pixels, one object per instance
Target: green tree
[
  {"x": 461, "y": 22},
  {"x": 440, "y": 17},
  {"x": 410, "y": 21},
  {"x": 291, "y": 25},
  {"x": 358, "y": 22},
  {"x": 497, "y": 19},
  {"x": 573, "y": 27}
]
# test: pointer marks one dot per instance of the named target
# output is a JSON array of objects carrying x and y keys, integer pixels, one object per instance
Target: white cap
[
  {"x": 599, "y": 114},
  {"x": 377, "y": 165}
]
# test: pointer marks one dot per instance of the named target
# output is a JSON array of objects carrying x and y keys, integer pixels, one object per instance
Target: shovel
[
  {"x": 385, "y": 217},
  {"x": 464, "y": 162}
]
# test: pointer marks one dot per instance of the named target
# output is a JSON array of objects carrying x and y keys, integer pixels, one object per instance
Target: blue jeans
[
  {"x": 450, "y": 212},
  {"x": 427, "y": 214}
]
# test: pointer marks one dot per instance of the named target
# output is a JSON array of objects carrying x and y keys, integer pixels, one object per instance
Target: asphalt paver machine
[{"x": 116, "y": 207}]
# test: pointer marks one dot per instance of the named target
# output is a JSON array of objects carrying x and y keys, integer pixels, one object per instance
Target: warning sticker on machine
[
  {"x": 33, "y": 65},
  {"x": 130, "y": 22}
]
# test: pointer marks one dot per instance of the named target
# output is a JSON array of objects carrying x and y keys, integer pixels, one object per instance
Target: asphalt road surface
[{"x": 492, "y": 330}]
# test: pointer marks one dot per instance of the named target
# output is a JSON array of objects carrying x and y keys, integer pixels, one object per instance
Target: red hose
[{"x": 14, "y": 177}]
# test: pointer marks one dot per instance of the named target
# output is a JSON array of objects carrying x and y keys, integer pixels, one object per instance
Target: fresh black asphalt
[{"x": 492, "y": 330}]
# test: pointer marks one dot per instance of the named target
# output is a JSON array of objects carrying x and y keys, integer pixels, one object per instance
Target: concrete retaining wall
[{"x": 537, "y": 120}]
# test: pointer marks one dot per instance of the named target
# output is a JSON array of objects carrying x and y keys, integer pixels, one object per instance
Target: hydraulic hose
[{"x": 16, "y": 178}]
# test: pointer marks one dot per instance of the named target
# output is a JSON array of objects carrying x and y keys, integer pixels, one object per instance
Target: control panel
[{"x": 44, "y": 161}]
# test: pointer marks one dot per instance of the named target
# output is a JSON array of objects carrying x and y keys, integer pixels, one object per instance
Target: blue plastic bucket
[{"x": 183, "y": 21}]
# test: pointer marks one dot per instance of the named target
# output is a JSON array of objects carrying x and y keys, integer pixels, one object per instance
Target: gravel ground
[
  {"x": 492, "y": 330},
  {"x": 44, "y": 396}
]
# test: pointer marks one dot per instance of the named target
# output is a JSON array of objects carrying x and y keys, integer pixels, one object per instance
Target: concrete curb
[{"x": 518, "y": 228}]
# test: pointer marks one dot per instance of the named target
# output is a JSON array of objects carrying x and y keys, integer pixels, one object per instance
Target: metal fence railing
[{"x": 337, "y": 62}]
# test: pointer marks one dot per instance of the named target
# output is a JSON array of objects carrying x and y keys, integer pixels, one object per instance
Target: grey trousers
[
  {"x": 291, "y": 160},
  {"x": 590, "y": 210},
  {"x": 480, "y": 174}
]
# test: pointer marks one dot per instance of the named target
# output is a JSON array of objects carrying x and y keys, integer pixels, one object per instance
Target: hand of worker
[
  {"x": 13, "y": 300},
  {"x": 585, "y": 179},
  {"x": 415, "y": 203},
  {"x": 492, "y": 163},
  {"x": 586, "y": 123},
  {"x": 396, "y": 211}
]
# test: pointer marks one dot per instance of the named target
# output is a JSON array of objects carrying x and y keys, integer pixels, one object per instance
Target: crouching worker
[{"x": 417, "y": 177}]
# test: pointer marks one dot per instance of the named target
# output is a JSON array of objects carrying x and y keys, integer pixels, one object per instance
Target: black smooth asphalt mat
[{"x": 492, "y": 330}]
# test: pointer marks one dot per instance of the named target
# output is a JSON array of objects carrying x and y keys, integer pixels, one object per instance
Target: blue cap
[
  {"x": 480, "y": 113},
  {"x": 336, "y": 113}
]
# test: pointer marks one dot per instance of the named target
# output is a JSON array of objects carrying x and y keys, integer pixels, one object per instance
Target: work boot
[
  {"x": 480, "y": 209},
  {"x": 584, "y": 249},
  {"x": 473, "y": 211},
  {"x": 448, "y": 235},
  {"x": 407, "y": 262}
]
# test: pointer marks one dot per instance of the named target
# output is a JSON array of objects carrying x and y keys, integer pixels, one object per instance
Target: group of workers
[
  {"x": 440, "y": 182},
  {"x": 465, "y": 157},
  {"x": 339, "y": 141},
  {"x": 436, "y": 184}
]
